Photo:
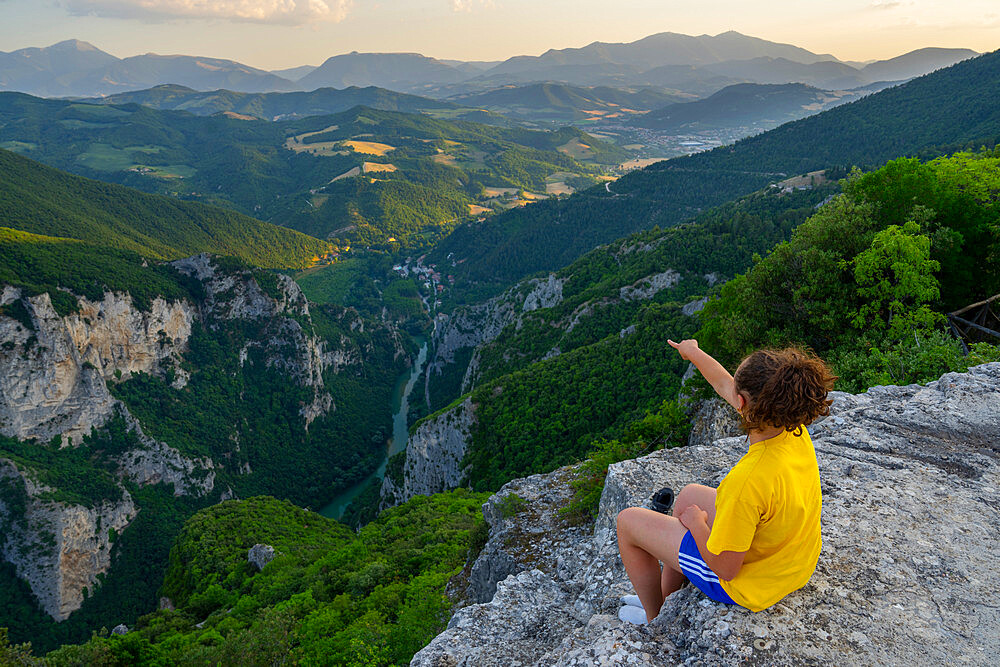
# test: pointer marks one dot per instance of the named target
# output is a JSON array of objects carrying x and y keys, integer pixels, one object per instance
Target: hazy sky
[{"x": 273, "y": 34}]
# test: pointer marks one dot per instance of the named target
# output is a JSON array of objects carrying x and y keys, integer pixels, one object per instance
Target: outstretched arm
[{"x": 712, "y": 370}]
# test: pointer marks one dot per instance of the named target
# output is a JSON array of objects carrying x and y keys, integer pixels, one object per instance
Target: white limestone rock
[
  {"x": 53, "y": 376},
  {"x": 911, "y": 487},
  {"x": 434, "y": 456},
  {"x": 56, "y": 547},
  {"x": 260, "y": 555}
]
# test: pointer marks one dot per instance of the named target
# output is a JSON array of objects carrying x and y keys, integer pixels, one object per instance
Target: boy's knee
[{"x": 625, "y": 516}]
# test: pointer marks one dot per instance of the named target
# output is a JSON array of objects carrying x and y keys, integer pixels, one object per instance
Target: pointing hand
[{"x": 685, "y": 347}]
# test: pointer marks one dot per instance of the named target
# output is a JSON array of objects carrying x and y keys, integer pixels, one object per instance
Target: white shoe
[
  {"x": 631, "y": 614},
  {"x": 632, "y": 601}
]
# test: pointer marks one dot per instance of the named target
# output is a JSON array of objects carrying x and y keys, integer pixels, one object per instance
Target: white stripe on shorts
[{"x": 696, "y": 566}]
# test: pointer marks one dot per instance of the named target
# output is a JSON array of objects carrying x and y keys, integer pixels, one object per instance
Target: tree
[{"x": 895, "y": 279}]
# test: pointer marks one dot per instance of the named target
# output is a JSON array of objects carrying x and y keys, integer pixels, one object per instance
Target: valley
[{"x": 297, "y": 365}]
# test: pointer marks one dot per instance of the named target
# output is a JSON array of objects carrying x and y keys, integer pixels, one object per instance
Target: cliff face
[
  {"x": 482, "y": 323},
  {"x": 58, "y": 548},
  {"x": 55, "y": 374},
  {"x": 911, "y": 487},
  {"x": 433, "y": 457}
]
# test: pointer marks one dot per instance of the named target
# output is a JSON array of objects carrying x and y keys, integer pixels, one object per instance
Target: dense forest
[
  {"x": 867, "y": 280},
  {"x": 719, "y": 243},
  {"x": 330, "y": 596}
]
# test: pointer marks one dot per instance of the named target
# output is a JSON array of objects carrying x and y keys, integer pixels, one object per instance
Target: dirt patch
[
  {"x": 576, "y": 149},
  {"x": 369, "y": 147},
  {"x": 558, "y": 188},
  {"x": 640, "y": 163},
  {"x": 237, "y": 116},
  {"x": 375, "y": 167},
  {"x": 804, "y": 181},
  {"x": 444, "y": 158},
  {"x": 475, "y": 209},
  {"x": 356, "y": 171},
  {"x": 498, "y": 192},
  {"x": 296, "y": 144}
]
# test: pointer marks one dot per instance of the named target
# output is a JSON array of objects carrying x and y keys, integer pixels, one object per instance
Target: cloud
[
  {"x": 289, "y": 12},
  {"x": 886, "y": 4},
  {"x": 468, "y": 5}
]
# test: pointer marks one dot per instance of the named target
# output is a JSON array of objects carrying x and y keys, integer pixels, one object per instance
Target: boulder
[
  {"x": 260, "y": 555},
  {"x": 911, "y": 488}
]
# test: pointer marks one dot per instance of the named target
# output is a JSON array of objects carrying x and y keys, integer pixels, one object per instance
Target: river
[{"x": 395, "y": 444}]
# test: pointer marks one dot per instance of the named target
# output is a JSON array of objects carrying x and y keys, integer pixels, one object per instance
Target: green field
[
  {"x": 105, "y": 157},
  {"x": 332, "y": 282}
]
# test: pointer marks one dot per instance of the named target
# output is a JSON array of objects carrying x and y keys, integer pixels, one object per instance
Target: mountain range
[
  {"x": 275, "y": 106},
  {"x": 698, "y": 65},
  {"x": 137, "y": 391},
  {"x": 951, "y": 109},
  {"x": 751, "y": 106}
]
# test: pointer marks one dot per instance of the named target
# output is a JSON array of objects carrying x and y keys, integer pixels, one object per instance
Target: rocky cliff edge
[{"x": 908, "y": 575}]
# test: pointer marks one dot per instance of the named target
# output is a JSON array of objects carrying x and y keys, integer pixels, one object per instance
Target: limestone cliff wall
[
  {"x": 59, "y": 549},
  {"x": 53, "y": 375},
  {"x": 475, "y": 325},
  {"x": 434, "y": 455},
  {"x": 911, "y": 488}
]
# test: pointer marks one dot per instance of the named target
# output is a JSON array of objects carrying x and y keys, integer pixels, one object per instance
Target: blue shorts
[{"x": 698, "y": 573}]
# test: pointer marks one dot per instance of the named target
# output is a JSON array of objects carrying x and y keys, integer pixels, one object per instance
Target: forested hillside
[
  {"x": 45, "y": 201},
  {"x": 362, "y": 176},
  {"x": 275, "y": 106},
  {"x": 865, "y": 280},
  {"x": 949, "y": 109},
  {"x": 329, "y": 596},
  {"x": 560, "y": 378}
]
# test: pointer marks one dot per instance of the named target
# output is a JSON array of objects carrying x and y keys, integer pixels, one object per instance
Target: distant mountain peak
[{"x": 75, "y": 44}]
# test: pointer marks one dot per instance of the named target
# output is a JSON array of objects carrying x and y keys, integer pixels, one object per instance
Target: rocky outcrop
[
  {"x": 58, "y": 548},
  {"x": 911, "y": 488},
  {"x": 54, "y": 373},
  {"x": 482, "y": 323},
  {"x": 285, "y": 345},
  {"x": 650, "y": 286},
  {"x": 260, "y": 555},
  {"x": 711, "y": 420},
  {"x": 433, "y": 456},
  {"x": 155, "y": 462}
]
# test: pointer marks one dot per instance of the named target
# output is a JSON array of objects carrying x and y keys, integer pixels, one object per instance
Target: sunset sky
[{"x": 273, "y": 34}]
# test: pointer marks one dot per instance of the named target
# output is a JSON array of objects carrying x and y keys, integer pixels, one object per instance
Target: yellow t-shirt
[{"x": 769, "y": 506}]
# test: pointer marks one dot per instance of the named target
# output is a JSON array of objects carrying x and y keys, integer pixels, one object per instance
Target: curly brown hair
[{"x": 785, "y": 388}]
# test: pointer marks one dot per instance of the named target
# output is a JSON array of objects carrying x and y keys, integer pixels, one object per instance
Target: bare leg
[
  {"x": 696, "y": 494},
  {"x": 645, "y": 538},
  {"x": 671, "y": 580}
]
